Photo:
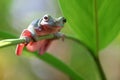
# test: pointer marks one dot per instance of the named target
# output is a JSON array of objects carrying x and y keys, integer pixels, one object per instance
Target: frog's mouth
[
  {"x": 50, "y": 28},
  {"x": 46, "y": 27}
]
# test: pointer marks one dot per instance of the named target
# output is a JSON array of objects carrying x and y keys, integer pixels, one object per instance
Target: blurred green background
[{"x": 15, "y": 15}]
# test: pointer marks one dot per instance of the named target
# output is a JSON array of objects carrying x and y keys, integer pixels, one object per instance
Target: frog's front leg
[
  {"x": 59, "y": 35},
  {"x": 31, "y": 28}
]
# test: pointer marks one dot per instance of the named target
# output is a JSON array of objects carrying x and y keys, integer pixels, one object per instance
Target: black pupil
[
  {"x": 64, "y": 20},
  {"x": 45, "y": 17}
]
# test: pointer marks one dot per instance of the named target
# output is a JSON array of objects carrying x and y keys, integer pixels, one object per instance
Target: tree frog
[{"x": 40, "y": 27}]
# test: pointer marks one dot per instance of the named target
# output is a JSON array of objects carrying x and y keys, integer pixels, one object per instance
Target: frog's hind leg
[
  {"x": 44, "y": 46},
  {"x": 32, "y": 46},
  {"x": 19, "y": 49},
  {"x": 20, "y": 46}
]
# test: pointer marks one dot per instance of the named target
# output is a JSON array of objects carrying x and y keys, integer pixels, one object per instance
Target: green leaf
[
  {"x": 109, "y": 21},
  {"x": 54, "y": 62},
  {"x": 79, "y": 14},
  {"x": 94, "y": 22}
]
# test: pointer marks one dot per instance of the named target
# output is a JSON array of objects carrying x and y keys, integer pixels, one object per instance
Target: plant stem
[
  {"x": 8, "y": 42},
  {"x": 96, "y": 59}
]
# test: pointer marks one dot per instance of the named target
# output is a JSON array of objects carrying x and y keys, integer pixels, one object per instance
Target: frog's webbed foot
[{"x": 59, "y": 35}]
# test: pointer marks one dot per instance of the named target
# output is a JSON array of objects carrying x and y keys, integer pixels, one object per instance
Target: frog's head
[
  {"x": 60, "y": 21},
  {"x": 52, "y": 23}
]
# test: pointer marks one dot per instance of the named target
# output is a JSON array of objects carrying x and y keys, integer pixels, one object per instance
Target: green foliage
[
  {"x": 109, "y": 21},
  {"x": 94, "y": 23},
  {"x": 5, "y": 18},
  {"x": 79, "y": 14}
]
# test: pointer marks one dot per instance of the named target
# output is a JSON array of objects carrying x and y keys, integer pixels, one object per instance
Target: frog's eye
[{"x": 46, "y": 18}]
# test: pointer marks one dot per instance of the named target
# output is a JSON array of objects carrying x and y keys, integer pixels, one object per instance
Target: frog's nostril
[{"x": 64, "y": 20}]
